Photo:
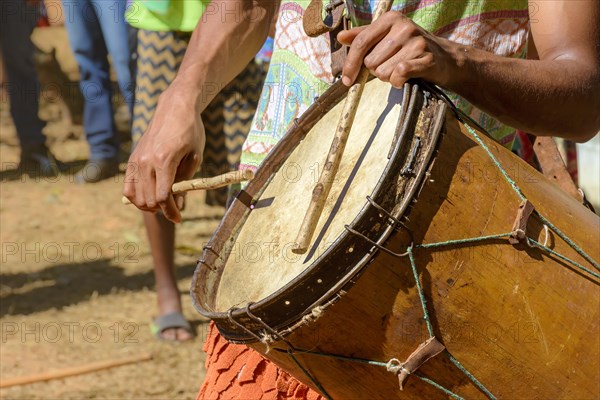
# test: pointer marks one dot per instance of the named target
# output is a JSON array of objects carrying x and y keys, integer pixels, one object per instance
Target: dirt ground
[{"x": 76, "y": 282}]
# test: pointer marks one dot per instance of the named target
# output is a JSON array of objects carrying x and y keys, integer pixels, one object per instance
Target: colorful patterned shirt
[{"x": 300, "y": 67}]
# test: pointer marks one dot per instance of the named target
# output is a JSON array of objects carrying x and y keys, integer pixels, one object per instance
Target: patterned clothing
[
  {"x": 235, "y": 371},
  {"x": 300, "y": 68},
  {"x": 226, "y": 119}
]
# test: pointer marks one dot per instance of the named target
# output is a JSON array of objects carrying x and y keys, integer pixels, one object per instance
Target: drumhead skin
[
  {"x": 248, "y": 272},
  {"x": 261, "y": 261}
]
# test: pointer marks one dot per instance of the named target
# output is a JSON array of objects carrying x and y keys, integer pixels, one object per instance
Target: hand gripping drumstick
[
  {"x": 332, "y": 162},
  {"x": 214, "y": 182}
]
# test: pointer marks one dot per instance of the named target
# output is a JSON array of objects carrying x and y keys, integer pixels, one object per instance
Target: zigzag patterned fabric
[
  {"x": 227, "y": 118},
  {"x": 159, "y": 57},
  {"x": 300, "y": 68}
]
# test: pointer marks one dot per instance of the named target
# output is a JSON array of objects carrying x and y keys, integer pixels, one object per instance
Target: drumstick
[
  {"x": 74, "y": 371},
  {"x": 214, "y": 182},
  {"x": 332, "y": 162}
]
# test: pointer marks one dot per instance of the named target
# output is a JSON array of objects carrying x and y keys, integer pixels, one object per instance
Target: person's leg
[
  {"x": 16, "y": 26},
  {"x": 161, "y": 235},
  {"x": 87, "y": 43},
  {"x": 151, "y": 81},
  {"x": 115, "y": 32},
  {"x": 132, "y": 40}
]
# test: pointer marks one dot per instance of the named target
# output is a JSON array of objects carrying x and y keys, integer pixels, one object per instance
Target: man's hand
[
  {"x": 396, "y": 49},
  {"x": 557, "y": 95},
  {"x": 170, "y": 151}
]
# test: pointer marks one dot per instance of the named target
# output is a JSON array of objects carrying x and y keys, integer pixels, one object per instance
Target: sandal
[{"x": 174, "y": 320}]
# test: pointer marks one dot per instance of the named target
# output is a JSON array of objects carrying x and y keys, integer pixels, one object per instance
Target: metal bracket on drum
[
  {"x": 408, "y": 168},
  {"x": 270, "y": 333},
  {"x": 380, "y": 247},
  {"x": 396, "y": 223},
  {"x": 392, "y": 218},
  {"x": 246, "y": 199},
  {"x": 297, "y": 124},
  {"x": 233, "y": 321},
  {"x": 251, "y": 203},
  {"x": 203, "y": 261}
]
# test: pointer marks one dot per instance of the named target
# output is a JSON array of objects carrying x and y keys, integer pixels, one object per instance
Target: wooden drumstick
[
  {"x": 214, "y": 182},
  {"x": 74, "y": 371},
  {"x": 332, "y": 162}
]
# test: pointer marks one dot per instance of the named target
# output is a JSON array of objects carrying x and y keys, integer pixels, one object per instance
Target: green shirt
[{"x": 165, "y": 15}]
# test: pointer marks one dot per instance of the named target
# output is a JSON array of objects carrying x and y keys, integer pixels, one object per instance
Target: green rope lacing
[
  {"x": 568, "y": 241},
  {"x": 463, "y": 241},
  {"x": 471, "y": 377},
  {"x": 420, "y": 290},
  {"x": 312, "y": 379},
  {"x": 522, "y": 198},
  {"x": 554, "y": 253},
  {"x": 369, "y": 362},
  {"x": 413, "y": 266},
  {"x": 423, "y": 300},
  {"x": 505, "y": 235}
]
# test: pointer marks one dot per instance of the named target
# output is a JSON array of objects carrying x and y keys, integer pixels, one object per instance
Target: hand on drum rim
[{"x": 395, "y": 49}]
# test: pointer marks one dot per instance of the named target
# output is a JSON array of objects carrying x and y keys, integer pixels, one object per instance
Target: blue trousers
[
  {"x": 17, "y": 20},
  {"x": 97, "y": 28}
]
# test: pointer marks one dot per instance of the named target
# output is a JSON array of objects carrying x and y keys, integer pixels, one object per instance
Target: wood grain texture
[{"x": 553, "y": 167}]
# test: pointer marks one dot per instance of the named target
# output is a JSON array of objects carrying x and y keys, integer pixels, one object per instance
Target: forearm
[
  {"x": 224, "y": 41},
  {"x": 558, "y": 97}
]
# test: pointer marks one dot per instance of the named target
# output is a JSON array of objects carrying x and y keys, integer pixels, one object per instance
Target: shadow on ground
[
  {"x": 13, "y": 173},
  {"x": 62, "y": 285}
]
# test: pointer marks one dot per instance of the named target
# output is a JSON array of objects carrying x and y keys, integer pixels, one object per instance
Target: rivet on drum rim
[
  {"x": 287, "y": 302},
  {"x": 319, "y": 280}
]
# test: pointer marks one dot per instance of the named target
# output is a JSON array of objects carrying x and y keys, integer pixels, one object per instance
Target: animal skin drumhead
[{"x": 261, "y": 261}]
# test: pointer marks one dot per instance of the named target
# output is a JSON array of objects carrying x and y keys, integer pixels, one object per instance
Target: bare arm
[
  {"x": 557, "y": 95},
  {"x": 225, "y": 39}
]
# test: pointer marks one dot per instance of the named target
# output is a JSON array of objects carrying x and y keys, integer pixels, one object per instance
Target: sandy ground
[{"x": 76, "y": 282}]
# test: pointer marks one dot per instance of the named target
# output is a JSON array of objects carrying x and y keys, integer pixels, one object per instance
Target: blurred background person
[
  {"x": 164, "y": 30},
  {"x": 97, "y": 28},
  {"x": 17, "y": 21}
]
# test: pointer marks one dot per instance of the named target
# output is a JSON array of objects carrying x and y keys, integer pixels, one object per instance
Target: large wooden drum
[{"x": 442, "y": 263}]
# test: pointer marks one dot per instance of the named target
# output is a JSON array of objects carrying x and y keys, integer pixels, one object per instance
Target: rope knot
[{"x": 395, "y": 366}]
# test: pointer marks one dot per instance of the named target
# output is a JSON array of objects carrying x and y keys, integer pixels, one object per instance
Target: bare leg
[{"x": 161, "y": 235}]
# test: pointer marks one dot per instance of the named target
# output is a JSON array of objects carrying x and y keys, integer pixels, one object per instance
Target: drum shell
[{"x": 525, "y": 324}]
